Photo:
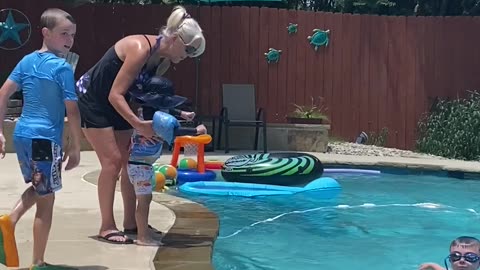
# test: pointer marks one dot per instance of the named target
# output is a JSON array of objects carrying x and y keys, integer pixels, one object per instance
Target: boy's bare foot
[{"x": 148, "y": 242}]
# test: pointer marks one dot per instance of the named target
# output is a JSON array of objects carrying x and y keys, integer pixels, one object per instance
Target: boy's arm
[
  {"x": 183, "y": 114},
  {"x": 430, "y": 266},
  {"x": 188, "y": 131},
  {"x": 175, "y": 112},
  {"x": 7, "y": 90},
  {"x": 185, "y": 131},
  {"x": 10, "y": 86},
  {"x": 66, "y": 81}
]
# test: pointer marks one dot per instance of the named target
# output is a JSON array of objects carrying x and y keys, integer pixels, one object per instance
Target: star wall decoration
[{"x": 11, "y": 30}]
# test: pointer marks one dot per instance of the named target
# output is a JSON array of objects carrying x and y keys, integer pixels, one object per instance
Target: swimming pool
[{"x": 391, "y": 221}]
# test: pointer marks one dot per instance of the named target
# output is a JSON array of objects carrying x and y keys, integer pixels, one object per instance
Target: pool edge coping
[{"x": 189, "y": 243}]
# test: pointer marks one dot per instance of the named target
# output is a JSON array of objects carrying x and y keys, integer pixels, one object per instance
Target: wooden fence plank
[
  {"x": 291, "y": 60},
  {"x": 273, "y": 31},
  {"x": 364, "y": 60},
  {"x": 356, "y": 91},
  {"x": 282, "y": 89}
]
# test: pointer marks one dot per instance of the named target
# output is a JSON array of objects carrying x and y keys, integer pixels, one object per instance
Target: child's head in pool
[{"x": 464, "y": 253}]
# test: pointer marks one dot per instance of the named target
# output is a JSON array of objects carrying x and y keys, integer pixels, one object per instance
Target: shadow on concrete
[{"x": 69, "y": 267}]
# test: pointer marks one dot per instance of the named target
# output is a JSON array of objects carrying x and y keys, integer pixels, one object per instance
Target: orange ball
[
  {"x": 159, "y": 182},
  {"x": 188, "y": 163},
  {"x": 169, "y": 171}
]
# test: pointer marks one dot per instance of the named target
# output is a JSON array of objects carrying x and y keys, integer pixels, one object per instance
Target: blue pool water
[{"x": 389, "y": 221}]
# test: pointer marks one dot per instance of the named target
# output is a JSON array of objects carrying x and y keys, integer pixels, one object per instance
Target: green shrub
[
  {"x": 379, "y": 139},
  {"x": 452, "y": 129}
]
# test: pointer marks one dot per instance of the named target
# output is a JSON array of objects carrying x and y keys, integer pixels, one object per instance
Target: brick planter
[
  {"x": 283, "y": 137},
  {"x": 311, "y": 138}
]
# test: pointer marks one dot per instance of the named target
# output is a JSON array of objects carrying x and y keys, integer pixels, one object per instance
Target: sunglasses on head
[{"x": 189, "y": 49}]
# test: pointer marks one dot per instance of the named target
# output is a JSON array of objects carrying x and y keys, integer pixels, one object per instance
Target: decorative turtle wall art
[
  {"x": 319, "y": 38},
  {"x": 273, "y": 55},
  {"x": 292, "y": 28}
]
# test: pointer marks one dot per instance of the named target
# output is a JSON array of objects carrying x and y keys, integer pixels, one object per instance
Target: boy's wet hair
[
  {"x": 52, "y": 16},
  {"x": 466, "y": 241}
]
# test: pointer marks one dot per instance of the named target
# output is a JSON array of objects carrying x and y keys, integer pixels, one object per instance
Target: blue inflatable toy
[
  {"x": 164, "y": 126},
  {"x": 330, "y": 188},
  {"x": 186, "y": 176}
]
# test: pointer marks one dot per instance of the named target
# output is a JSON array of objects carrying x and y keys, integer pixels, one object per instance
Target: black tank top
[{"x": 96, "y": 83}]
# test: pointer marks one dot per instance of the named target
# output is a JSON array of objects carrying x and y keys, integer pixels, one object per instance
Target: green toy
[
  {"x": 273, "y": 55},
  {"x": 292, "y": 28},
  {"x": 319, "y": 38},
  {"x": 3, "y": 257}
]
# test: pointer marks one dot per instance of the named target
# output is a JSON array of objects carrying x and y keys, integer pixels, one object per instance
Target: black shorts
[{"x": 97, "y": 115}]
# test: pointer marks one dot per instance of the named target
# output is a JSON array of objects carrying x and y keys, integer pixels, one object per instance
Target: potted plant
[{"x": 309, "y": 114}]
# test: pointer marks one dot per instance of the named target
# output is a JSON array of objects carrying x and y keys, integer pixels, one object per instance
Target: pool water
[{"x": 390, "y": 221}]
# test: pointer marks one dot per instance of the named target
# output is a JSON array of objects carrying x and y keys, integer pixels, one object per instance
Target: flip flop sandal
[{"x": 107, "y": 238}]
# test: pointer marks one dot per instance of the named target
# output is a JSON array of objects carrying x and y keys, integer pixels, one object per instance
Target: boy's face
[
  {"x": 60, "y": 39},
  {"x": 464, "y": 257}
]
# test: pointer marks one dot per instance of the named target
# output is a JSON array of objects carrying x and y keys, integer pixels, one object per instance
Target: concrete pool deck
[{"x": 191, "y": 228}]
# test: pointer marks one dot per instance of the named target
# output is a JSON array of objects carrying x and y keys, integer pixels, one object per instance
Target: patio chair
[{"x": 239, "y": 110}]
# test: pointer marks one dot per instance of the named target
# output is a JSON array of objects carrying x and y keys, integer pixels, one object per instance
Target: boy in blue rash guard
[{"x": 48, "y": 87}]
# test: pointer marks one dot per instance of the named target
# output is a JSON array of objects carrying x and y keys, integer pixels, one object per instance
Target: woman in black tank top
[{"x": 107, "y": 119}]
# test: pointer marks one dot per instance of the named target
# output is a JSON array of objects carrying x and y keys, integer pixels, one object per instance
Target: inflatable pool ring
[
  {"x": 351, "y": 171},
  {"x": 186, "y": 175},
  {"x": 325, "y": 188},
  {"x": 283, "y": 169},
  {"x": 213, "y": 164}
]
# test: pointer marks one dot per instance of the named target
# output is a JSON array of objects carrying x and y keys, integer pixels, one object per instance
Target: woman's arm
[{"x": 135, "y": 57}]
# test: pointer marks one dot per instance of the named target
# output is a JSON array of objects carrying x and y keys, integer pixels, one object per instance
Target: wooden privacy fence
[{"x": 377, "y": 71}]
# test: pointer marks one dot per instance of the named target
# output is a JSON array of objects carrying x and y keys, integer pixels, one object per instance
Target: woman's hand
[{"x": 145, "y": 128}]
